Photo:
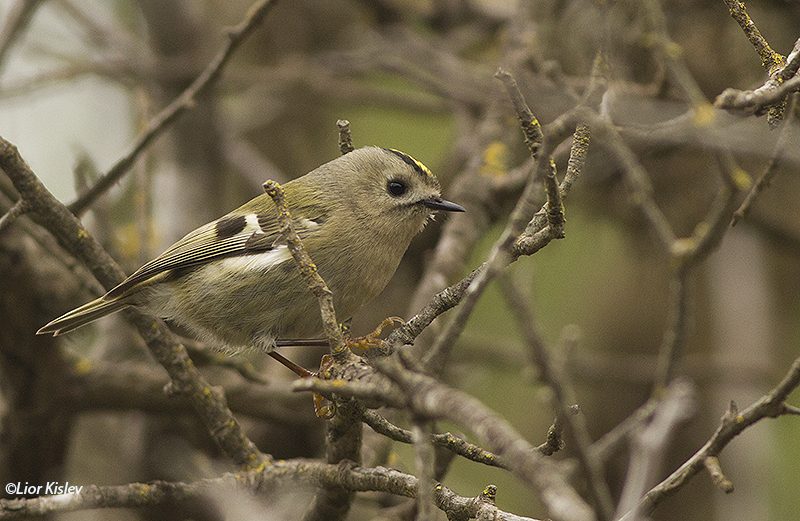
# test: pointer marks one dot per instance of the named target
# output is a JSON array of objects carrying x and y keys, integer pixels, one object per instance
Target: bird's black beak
[{"x": 437, "y": 203}]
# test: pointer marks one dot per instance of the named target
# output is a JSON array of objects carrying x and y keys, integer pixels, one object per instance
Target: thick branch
[
  {"x": 67, "y": 229},
  {"x": 262, "y": 480}
]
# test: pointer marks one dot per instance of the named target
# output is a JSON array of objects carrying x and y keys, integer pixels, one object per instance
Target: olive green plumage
[{"x": 233, "y": 282}]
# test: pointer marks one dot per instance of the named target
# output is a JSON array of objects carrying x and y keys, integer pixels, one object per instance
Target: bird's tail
[{"x": 81, "y": 316}]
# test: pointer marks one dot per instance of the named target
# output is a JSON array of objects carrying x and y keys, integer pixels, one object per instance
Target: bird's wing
[{"x": 229, "y": 236}]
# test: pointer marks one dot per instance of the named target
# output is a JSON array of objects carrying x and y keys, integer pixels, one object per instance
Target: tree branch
[
  {"x": 209, "y": 402},
  {"x": 263, "y": 481},
  {"x": 733, "y": 422},
  {"x": 182, "y": 103}
]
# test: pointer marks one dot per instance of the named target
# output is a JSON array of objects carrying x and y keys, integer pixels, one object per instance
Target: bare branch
[
  {"x": 457, "y": 445},
  {"x": 650, "y": 444},
  {"x": 531, "y": 128},
  {"x": 776, "y": 160},
  {"x": 759, "y": 100},
  {"x": 429, "y": 398},
  {"x": 345, "y": 139},
  {"x": 769, "y": 58},
  {"x": 15, "y": 24},
  {"x": 209, "y": 402},
  {"x": 260, "y": 480},
  {"x": 564, "y": 395},
  {"x": 343, "y": 448},
  {"x": 182, "y": 103},
  {"x": 307, "y": 268},
  {"x": 773, "y": 64},
  {"x": 733, "y": 423}
]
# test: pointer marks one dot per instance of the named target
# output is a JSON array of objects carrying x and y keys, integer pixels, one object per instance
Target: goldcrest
[{"x": 233, "y": 282}]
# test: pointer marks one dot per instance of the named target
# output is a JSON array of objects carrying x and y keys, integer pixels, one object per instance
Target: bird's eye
[{"x": 396, "y": 187}]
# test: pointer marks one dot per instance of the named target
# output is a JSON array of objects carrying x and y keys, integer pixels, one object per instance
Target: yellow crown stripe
[{"x": 416, "y": 165}]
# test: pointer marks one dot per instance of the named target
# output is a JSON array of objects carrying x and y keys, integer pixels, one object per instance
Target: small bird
[{"x": 233, "y": 283}]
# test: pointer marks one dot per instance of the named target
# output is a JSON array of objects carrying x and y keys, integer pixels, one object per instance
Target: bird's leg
[
  {"x": 302, "y": 372},
  {"x": 372, "y": 340},
  {"x": 322, "y": 407},
  {"x": 301, "y": 342}
]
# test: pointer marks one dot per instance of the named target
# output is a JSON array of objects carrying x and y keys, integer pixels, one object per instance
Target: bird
[{"x": 232, "y": 282}]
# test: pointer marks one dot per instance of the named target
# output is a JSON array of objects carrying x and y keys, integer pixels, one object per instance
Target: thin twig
[
  {"x": 651, "y": 443},
  {"x": 443, "y": 301},
  {"x": 610, "y": 443},
  {"x": 447, "y": 440},
  {"x": 307, "y": 268},
  {"x": 500, "y": 254},
  {"x": 345, "y": 139},
  {"x": 686, "y": 254},
  {"x": 670, "y": 54},
  {"x": 676, "y": 330},
  {"x": 759, "y": 100},
  {"x": 733, "y": 423},
  {"x": 16, "y": 22},
  {"x": 776, "y": 160},
  {"x": 531, "y": 128},
  {"x": 555, "y": 441},
  {"x": 564, "y": 394},
  {"x": 19, "y": 209},
  {"x": 771, "y": 61},
  {"x": 184, "y": 102},
  {"x": 424, "y": 459},
  {"x": 769, "y": 58},
  {"x": 538, "y": 233},
  {"x": 638, "y": 182}
]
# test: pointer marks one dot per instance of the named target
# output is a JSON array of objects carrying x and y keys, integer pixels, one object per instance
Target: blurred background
[{"x": 80, "y": 80}]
